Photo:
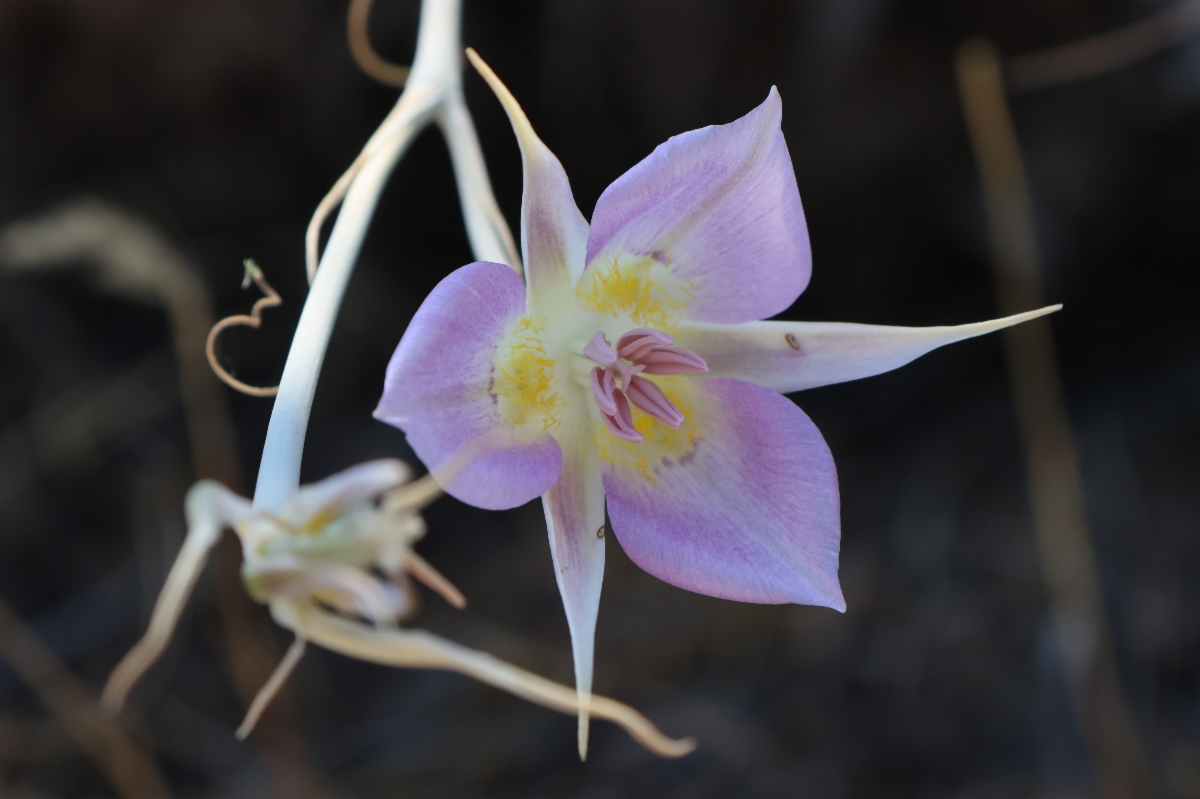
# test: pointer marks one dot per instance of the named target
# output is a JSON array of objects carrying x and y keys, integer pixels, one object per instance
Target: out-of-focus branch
[
  {"x": 364, "y": 54},
  {"x": 125, "y": 764},
  {"x": 1055, "y": 487},
  {"x": 133, "y": 260},
  {"x": 1107, "y": 52}
]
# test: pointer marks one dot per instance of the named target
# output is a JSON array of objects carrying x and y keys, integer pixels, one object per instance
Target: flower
[
  {"x": 333, "y": 566},
  {"x": 631, "y": 366}
]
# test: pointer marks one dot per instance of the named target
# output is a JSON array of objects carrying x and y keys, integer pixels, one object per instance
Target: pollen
[
  {"x": 525, "y": 381},
  {"x": 641, "y": 288}
]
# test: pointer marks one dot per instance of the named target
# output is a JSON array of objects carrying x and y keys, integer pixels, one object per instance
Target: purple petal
[
  {"x": 720, "y": 209},
  {"x": 741, "y": 503},
  {"x": 793, "y": 356},
  {"x": 575, "y": 523},
  {"x": 553, "y": 232},
  {"x": 438, "y": 389}
]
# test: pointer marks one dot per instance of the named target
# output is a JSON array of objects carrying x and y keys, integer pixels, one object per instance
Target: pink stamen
[
  {"x": 651, "y": 399},
  {"x": 671, "y": 361},
  {"x": 617, "y": 381},
  {"x": 602, "y": 390},
  {"x": 621, "y": 422},
  {"x": 633, "y": 343}
]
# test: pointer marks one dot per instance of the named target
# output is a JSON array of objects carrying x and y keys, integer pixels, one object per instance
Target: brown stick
[
  {"x": 131, "y": 770},
  {"x": 1107, "y": 52},
  {"x": 133, "y": 259},
  {"x": 364, "y": 54},
  {"x": 1055, "y": 487}
]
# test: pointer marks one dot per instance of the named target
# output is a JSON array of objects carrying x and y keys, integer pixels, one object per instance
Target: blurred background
[{"x": 220, "y": 124}]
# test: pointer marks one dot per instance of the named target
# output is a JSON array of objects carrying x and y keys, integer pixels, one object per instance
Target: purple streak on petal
[
  {"x": 719, "y": 206},
  {"x": 600, "y": 351},
  {"x": 749, "y": 513},
  {"x": 651, "y": 399},
  {"x": 793, "y": 356},
  {"x": 438, "y": 385},
  {"x": 575, "y": 522}
]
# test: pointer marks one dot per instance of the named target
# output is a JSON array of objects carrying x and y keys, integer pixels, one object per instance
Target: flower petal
[
  {"x": 553, "y": 232},
  {"x": 793, "y": 356},
  {"x": 327, "y": 498},
  {"x": 740, "y": 503},
  {"x": 438, "y": 390},
  {"x": 719, "y": 209},
  {"x": 575, "y": 523}
]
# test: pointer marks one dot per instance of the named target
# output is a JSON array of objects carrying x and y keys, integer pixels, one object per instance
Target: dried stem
[
  {"x": 364, "y": 54},
  {"x": 272, "y": 687},
  {"x": 130, "y": 769},
  {"x": 421, "y": 649},
  {"x": 132, "y": 259},
  {"x": 433, "y": 92},
  {"x": 1107, "y": 52},
  {"x": 253, "y": 319},
  {"x": 1054, "y": 482},
  {"x": 420, "y": 569}
]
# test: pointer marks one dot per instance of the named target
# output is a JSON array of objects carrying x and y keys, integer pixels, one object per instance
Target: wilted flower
[
  {"x": 631, "y": 365},
  {"x": 333, "y": 566}
]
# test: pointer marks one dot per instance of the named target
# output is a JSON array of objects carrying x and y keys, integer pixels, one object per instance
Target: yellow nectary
[
  {"x": 638, "y": 287},
  {"x": 525, "y": 380}
]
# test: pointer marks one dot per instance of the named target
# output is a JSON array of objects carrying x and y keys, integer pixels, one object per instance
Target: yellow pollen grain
[
  {"x": 631, "y": 287},
  {"x": 525, "y": 378}
]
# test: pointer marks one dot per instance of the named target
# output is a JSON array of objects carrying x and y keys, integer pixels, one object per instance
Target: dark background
[{"x": 225, "y": 121}]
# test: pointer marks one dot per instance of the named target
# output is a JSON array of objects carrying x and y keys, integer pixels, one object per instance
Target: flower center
[{"x": 618, "y": 380}]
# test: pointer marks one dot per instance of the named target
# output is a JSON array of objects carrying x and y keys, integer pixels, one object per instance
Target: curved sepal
[
  {"x": 553, "y": 232},
  {"x": 793, "y": 356},
  {"x": 575, "y": 524}
]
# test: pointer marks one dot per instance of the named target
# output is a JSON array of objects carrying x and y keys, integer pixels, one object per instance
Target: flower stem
[{"x": 433, "y": 91}]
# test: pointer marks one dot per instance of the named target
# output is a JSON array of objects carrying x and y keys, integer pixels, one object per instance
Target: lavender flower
[{"x": 631, "y": 366}]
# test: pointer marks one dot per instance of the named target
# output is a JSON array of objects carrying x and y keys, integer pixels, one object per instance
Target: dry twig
[
  {"x": 364, "y": 54},
  {"x": 1054, "y": 483},
  {"x": 1107, "y": 52},
  {"x": 253, "y": 319}
]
